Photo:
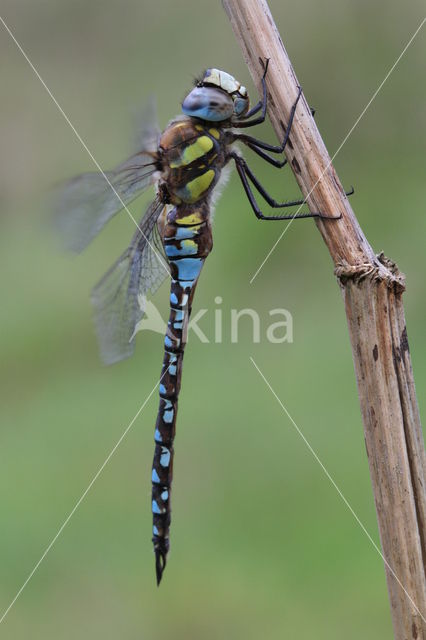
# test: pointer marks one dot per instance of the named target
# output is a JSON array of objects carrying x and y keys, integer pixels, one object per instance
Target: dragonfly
[{"x": 173, "y": 239}]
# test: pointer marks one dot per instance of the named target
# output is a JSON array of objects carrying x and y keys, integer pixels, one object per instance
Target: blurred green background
[{"x": 262, "y": 544}]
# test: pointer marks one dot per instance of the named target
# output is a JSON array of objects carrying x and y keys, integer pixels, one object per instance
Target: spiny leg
[
  {"x": 246, "y": 174},
  {"x": 251, "y": 198},
  {"x": 250, "y": 140},
  {"x": 260, "y": 105},
  {"x": 273, "y": 161},
  {"x": 279, "y": 164},
  {"x": 271, "y": 201},
  {"x": 254, "y": 110},
  {"x": 259, "y": 147}
]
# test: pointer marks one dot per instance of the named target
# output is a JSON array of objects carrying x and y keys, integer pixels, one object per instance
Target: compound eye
[
  {"x": 209, "y": 104},
  {"x": 240, "y": 106}
]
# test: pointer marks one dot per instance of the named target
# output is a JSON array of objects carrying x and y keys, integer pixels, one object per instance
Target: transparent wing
[
  {"x": 86, "y": 203},
  {"x": 119, "y": 297},
  {"x": 146, "y": 126}
]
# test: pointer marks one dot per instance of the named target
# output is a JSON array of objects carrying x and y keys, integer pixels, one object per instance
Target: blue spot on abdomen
[
  {"x": 188, "y": 268},
  {"x": 165, "y": 457},
  {"x": 185, "y": 233},
  {"x": 171, "y": 250},
  {"x": 155, "y": 507},
  {"x": 168, "y": 416}
]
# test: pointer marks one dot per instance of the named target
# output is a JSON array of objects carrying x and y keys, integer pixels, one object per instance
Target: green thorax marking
[{"x": 193, "y": 153}]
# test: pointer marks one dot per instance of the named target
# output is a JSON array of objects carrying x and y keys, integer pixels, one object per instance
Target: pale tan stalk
[{"x": 372, "y": 290}]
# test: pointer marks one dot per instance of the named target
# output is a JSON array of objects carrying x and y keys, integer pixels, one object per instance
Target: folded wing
[
  {"x": 119, "y": 298},
  {"x": 83, "y": 205}
]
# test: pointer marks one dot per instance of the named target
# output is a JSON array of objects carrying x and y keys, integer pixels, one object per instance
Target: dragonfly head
[{"x": 216, "y": 97}]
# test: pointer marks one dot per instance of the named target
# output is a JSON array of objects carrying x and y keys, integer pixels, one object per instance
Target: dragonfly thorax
[
  {"x": 192, "y": 156},
  {"x": 218, "y": 96}
]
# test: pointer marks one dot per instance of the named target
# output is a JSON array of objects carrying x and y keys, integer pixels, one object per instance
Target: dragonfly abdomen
[{"x": 187, "y": 241}]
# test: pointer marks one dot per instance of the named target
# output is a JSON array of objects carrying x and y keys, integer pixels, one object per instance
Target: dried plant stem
[{"x": 372, "y": 290}]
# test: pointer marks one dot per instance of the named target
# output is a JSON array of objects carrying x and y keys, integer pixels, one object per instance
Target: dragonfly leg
[
  {"x": 274, "y": 148},
  {"x": 247, "y": 176},
  {"x": 268, "y": 198},
  {"x": 258, "y": 146},
  {"x": 254, "y": 110},
  {"x": 273, "y": 161},
  {"x": 261, "y": 105}
]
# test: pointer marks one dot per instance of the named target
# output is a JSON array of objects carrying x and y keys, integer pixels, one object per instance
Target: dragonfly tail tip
[{"x": 160, "y": 565}]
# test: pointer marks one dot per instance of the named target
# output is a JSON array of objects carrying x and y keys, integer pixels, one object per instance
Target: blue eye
[
  {"x": 240, "y": 105},
  {"x": 208, "y": 104}
]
